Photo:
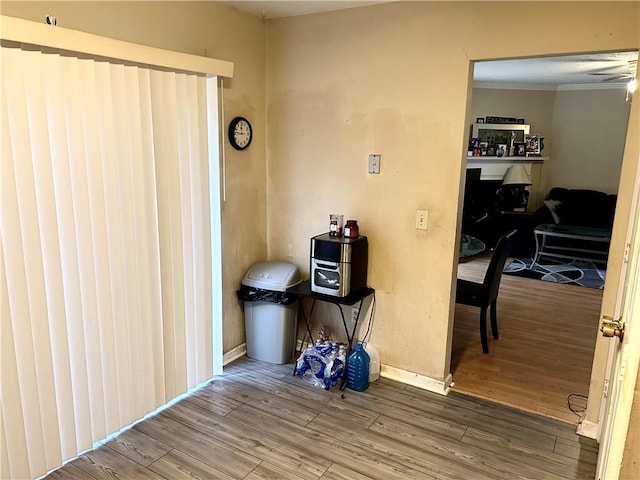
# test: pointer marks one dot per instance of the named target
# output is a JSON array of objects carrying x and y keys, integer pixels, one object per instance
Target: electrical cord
[
  {"x": 371, "y": 316},
  {"x": 581, "y": 409}
]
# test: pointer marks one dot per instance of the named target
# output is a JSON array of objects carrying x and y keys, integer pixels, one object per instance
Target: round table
[{"x": 470, "y": 246}]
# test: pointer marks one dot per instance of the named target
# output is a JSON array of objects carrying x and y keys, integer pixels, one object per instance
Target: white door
[{"x": 624, "y": 356}]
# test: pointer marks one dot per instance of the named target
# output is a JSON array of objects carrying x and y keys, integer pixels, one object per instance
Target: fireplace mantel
[{"x": 494, "y": 168}]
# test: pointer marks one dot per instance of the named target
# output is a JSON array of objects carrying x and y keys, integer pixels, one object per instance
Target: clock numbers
[{"x": 240, "y": 133}]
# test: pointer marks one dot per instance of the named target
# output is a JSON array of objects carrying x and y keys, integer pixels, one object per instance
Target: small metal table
[
  {"x": 599, "y": 236},
  {"x": 303, "y": 290}
]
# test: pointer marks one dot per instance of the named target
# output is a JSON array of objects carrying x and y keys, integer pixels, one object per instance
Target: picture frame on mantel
[
  {"x": 532, "y": 145},
  {"x": 519, "y": 150}
]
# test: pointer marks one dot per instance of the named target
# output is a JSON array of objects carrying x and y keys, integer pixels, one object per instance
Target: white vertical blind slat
[
  {"x": 21, "y": 241},
  {"x": 148, "y": 223},
  {"x": 171, "y": 257},
  {"x": 199, "y": 186},
  {"x": 106, "y": 275},
  {"x": 110, "y": 252},
  {"x": 184, "y": 177},
  {"x": 82, "y": 326},
  {"x": 56, "y": 217},
  {"x": 96, "y": 287},
  {"x": 17, "y": 457}
]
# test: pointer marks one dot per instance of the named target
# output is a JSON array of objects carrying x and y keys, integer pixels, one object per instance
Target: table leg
[
  {"x": 307, "y": 321},
  {"x": 350, "y": 338},
  {"x": 539, "y": 248}
]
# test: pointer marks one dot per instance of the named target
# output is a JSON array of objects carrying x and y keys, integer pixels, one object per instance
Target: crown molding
[{"x": 549, "y": 87}]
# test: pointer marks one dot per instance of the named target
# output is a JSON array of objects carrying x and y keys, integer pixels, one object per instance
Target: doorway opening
[{"x": 542, "y": 361}]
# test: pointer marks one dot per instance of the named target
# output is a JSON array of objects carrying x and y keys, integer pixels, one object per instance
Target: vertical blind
[{"x": 105, "y": 260}]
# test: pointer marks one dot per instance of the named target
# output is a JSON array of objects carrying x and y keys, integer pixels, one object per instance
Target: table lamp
[{"x": 513, "y": 195}]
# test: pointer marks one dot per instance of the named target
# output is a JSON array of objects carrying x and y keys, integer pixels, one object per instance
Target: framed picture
[
  {"x": 480, "y": 120},
  {"x": 532, "y": 144},
  {"x": 519, "y": 150},
  {"x": 491, "y": 150},
  {"x": 483, "y": 148}
]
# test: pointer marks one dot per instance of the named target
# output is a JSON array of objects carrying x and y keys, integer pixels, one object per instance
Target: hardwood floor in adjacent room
[
  {"x": 545, "y": 350},
  {"x": 258, "y": 421}
]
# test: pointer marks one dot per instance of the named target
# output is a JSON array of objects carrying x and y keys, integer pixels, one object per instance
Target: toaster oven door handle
[{"x": 324, "y": 265}]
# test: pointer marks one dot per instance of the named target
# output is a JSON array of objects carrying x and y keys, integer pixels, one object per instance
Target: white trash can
[{"x": 269, "y": 312}]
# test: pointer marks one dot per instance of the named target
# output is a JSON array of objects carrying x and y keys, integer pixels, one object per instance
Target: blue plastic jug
[{"x": 358, "y": 369}]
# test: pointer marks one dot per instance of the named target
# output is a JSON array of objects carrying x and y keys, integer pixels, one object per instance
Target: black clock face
[{"x": 240, "y": 133}]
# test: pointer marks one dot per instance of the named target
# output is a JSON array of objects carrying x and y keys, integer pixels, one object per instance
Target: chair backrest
[{"x": 492, "y": 277}]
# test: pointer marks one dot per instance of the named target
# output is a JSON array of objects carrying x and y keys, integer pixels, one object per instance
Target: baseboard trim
[
  {"x": 441, "y": 387},
  {"x": 234, "y": 354},
  {"x": 588, "y": 429}
]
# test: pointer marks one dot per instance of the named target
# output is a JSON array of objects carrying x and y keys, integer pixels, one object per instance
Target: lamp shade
[{"x": 516, "y": 175}]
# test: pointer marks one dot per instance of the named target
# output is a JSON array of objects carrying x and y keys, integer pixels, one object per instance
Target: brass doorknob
[{"x": 612, "y": 328}]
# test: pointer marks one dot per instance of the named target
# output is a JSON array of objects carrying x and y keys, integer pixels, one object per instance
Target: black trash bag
[{"x": 252, "y": 294}]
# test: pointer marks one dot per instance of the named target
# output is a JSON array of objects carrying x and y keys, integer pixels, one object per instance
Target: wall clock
[{"x": 240, "y": 133}]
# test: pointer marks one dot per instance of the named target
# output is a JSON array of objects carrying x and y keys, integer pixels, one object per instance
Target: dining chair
[{"x": 485, "y": 294}]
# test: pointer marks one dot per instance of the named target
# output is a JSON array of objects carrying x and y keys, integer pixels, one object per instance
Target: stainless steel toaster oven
[{"x": 338, "y": 264}]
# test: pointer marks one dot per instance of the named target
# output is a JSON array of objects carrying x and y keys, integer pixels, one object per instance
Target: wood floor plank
[
  {"x": 431, "y": 408},
  {"x": 250, "y": 440},
  {"x": 469, "y": 456},
  {"x": 199, "y": 445},
  {"x": 176, "y": 465},
  {"x": 555, "y": 324},
  {"x": 300, "y": 393},
  {"x": 508, "y": 448},
  {"x": 425, "y": 460},
  {"x": 585, "y": 450},
  {"x": 285, "y": 408},
  {"x": 214, "y": 403},
  {"x": 419, "y": 417},
  {"x": 69, "y": 472},
  {"x": 138, "y": 447},
  {"x": 493, "y": 410},
  {"x": 270, "y": 425},
  {"x": 268, "y": 471},
  {"x": 338, "y": 472},
  {"x": 106, "y": 464},
  {"x": 326, "y": 446}
]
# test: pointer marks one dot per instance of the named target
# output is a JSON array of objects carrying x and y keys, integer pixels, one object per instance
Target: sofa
[
  {"x": 585, "y": 208},
  {"x": 562, "y": 206},
  {"x": 577, "y": 211}
]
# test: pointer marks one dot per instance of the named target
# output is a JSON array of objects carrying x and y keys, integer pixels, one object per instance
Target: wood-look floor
[
  {"x": 545, "y": 350},
  {"x": 260, "y": 422}
]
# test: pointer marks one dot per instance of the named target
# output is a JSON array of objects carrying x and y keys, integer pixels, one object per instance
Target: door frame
[{"x": 623, "y": 355}]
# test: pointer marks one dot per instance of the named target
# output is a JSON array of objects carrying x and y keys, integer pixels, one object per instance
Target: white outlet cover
[{"x": 374, "y": 163}]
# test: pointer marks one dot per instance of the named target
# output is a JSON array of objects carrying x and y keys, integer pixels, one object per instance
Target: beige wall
[
  {"x": 220, "y": 32},
  {"x": 584, "y": 132},
  {"x": 393, "y": 79},
  {"x": 591, "y": 126},
  {"x": 390, "y": 79},
  {"x": 536, "y": 107}
]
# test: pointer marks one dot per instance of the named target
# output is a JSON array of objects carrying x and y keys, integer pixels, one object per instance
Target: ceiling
[
  {"x": 598, "y": 70},
  {"x": 292, "y": 8}
]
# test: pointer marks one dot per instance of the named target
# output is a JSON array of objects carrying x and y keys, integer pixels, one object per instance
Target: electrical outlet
[
  {"x": 374, "y": 163},
  {"x": 422, "y": 218},
  {"x": 354, "y": 314}
]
